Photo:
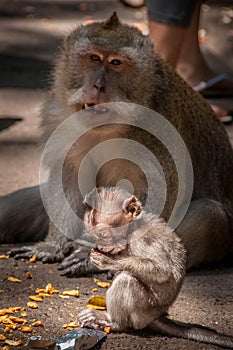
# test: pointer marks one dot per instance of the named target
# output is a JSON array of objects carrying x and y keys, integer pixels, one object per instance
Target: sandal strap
[{"x": 206, "y": 84}]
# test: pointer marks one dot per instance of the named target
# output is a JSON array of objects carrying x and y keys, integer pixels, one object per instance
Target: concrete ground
[{"x": 30, "y": 32}]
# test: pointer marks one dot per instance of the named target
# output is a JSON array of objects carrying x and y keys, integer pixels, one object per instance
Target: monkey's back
[{"x": 205, "y": 138}]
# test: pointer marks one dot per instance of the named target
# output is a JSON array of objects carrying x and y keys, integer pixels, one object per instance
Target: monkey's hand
[
  {"x": 78, "y": 264},
  {"x": 103, "y": 261},
  {"x": 92, "y": 318}
]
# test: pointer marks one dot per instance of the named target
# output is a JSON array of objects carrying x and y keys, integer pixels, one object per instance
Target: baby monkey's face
[
  {"x": 109, "y": 211},
  {"x": 109, "y": 231}
]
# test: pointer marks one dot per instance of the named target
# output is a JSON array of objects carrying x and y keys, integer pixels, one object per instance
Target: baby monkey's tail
[{"x": 170, "y": 328}]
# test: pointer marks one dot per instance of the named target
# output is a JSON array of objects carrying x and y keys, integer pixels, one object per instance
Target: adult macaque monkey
[
  {"x": 149, "y": 260},
  {"x": 109, "y": 62}
]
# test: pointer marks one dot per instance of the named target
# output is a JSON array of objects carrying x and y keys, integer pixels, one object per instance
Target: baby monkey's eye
[
  {"x": 115, "y": 62},
  {"x": 95, "y": 58}
]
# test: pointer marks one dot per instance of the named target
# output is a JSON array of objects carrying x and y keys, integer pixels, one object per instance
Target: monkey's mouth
[
  {"x": 111, "y": 250},
  {"x": 95, "y": 108}
]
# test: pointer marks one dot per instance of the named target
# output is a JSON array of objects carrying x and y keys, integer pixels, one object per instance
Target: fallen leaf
[
  {"x": 23, "y": 314},
  {"x": 71, "y": 293},
  {"x": 108, "y": 329},
  {"x": 14, "y": 279},
  {"x": 7, "y": 329},
  {"x": 102, "y": 284},
  {"x": 35, "y": 298},
  {"x": 6, "y": 311},
  {"x": 2, "y": 337},
  {"x": 13, "y": 342},
  {"x": 63, "y": 296},
  {"x": 12, "y": 325},
  {"x": 32, "y": 259},
  {"x": 6, "y": 321},
  {"x": 94, "y": 290},
  {"x": 45, "y": 295},
  {"x": 26, "y": 329},
  {"x": 40, "y": 290},
  {"x": 28, "y": 275},
  {"x": 97, "y": 302},
  {"x": 17, "y": 319},
  {"x": 6, "y": 347},
  {"x": 4, "y": 256},
  {"x": 32, "y": 305},
  {"x": 15, "y": 308},
  {"x": 70, "y": 325},
  {"x": 2, "y": 318},
  {"x": 49, "y": 289},
  {"x": 37, "y": 324}
]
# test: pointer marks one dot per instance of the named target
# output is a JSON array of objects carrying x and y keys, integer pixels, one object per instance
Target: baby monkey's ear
[
  {"x": 85, "y": 202},
  {"x": 132, "y": 207},
  {"x": 89, "y": 212}
]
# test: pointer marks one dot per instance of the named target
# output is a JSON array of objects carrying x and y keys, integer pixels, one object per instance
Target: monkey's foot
[
  {"x": 77, "y": 264},
  {"x": 43, "y": 251},
  {"x": 22, "y": 252},
  {"x": 91, "y": 318}
]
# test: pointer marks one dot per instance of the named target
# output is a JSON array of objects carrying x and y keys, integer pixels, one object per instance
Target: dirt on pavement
[
  {"x": 205, "y": 299},
  {"x": 30, "y": 33}
]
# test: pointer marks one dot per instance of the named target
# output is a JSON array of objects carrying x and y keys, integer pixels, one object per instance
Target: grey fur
[{"x": 149, "y": 270}]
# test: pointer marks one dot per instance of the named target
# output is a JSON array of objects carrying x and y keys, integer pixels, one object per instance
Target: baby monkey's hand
[{"x": 102, "y": 261}]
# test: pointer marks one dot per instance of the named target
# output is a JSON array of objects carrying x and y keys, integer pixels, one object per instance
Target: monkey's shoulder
[{"x": 155, "y": 238}]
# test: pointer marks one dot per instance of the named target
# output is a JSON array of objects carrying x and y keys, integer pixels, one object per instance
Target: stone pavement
[{"x": 30, "y": 32}]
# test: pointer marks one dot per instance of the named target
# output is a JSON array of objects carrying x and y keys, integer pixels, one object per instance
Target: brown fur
[{"x": 143, "y": 78}]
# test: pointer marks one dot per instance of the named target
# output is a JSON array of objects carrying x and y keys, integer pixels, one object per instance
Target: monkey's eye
[
  {"x": 95, "y": 58},
  {"x": 115, "y": 62}
]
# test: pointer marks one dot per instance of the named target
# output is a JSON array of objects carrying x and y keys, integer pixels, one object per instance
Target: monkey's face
[
  {"x": 105, "y": 63},
  {"x": 103, "y": 71},
  {"x": 100, "y": 77},
  {"x": 108, "y": 223},
  {"x": 110, "y": 231}
]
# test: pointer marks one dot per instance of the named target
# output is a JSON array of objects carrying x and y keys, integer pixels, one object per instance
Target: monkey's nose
[
  {"x": 99, "y": 87},
  {"x": 99, "y": 84}
]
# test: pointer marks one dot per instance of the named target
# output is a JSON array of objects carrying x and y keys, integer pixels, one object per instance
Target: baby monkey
[{"x": 149, "y": 259}]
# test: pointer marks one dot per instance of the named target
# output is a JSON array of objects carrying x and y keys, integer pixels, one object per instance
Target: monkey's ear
[
  {"x": 132, "y": 207},
  {"x": 89, "y": 210},
  {"x": 112, "y": 22},
  {"x": 85, "y": 202}
]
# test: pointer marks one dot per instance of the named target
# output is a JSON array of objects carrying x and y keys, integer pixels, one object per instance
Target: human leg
[
  {"x": 168, "y": 24},
  {"x": 174, "y": 30}
]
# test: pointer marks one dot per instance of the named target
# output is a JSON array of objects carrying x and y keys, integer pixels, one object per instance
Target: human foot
[
  {"x": 214, "y": 86},
  {"x": 206, "y": 81},
  {"x": 218, "y": 86},
  {"x": 222, "y": 114},
  {"x": 202, "y": 78}
]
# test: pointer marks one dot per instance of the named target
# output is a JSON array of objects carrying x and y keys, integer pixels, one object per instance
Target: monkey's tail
[{"x": 170, "y": 328}]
